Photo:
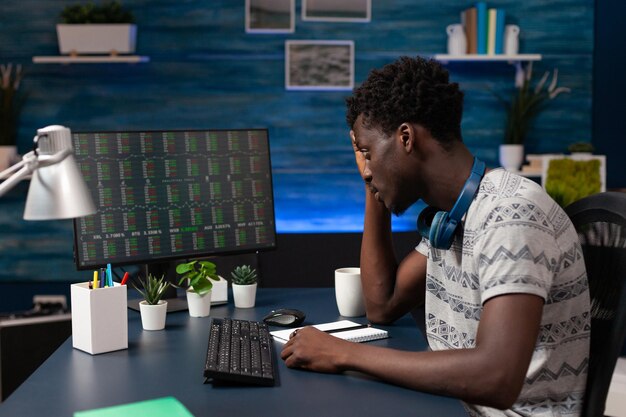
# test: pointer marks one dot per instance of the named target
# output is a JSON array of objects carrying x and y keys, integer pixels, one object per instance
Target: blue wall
[{"x": 206, "y": 72}]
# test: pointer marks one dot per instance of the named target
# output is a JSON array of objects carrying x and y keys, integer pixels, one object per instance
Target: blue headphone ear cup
[
  {"x": 424, "y": 221},
  {"x": 437, "y": 226}
]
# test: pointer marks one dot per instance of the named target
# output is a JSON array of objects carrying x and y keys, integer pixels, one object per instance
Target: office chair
[{"x": 600, "y": 221}]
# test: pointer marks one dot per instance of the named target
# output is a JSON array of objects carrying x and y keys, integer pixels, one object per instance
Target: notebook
[{"x": 363, "y": 334}]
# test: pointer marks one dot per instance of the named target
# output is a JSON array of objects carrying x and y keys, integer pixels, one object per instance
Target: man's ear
[{"x": 406, "y": 132}]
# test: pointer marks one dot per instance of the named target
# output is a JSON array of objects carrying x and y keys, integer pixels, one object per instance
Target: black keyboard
[{"x": 240, "y": 351}]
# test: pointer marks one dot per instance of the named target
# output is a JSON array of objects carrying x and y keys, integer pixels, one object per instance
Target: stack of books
[{"x": 484, "y": 29}]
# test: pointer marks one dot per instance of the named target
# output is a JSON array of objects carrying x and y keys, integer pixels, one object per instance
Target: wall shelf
[
  {"x": 487, "y": 58},
  {"x": 93, "y": 59},
  {"x": 515, "y": 60}
]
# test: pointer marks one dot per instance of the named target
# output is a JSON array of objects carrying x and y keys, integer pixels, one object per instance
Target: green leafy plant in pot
[
  {"x": 522, "y": 108},
  {"x": 244, "y": 280},
  {"x": 153, "y": 309},
  {"x": 87, "y": 28},
  {"x": 197, "y": 276}
]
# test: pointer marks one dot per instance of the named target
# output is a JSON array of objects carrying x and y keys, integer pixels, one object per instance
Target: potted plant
[
  {"x": 244, "y": 286},
  {"x": 522, "y": 109},
  {"x": 581, "y": 147},
  {"x": 11, "y": 101},
  {"x": 569, "y": 180},
  {"x": 153, "y": 309},
  {"x": 97, "y": 29},
  {"x": 198, "y": 275}
]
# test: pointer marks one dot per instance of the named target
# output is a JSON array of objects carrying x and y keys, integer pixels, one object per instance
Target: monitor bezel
[{"x": 176, "y": 257}]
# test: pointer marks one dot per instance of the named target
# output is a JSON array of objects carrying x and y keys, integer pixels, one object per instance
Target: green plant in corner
[
  {"x": 11, "y": 101},
  {"x": 198, "y": 275},
  {"x": 527, "y": 102},
  {"x": 107, "y": 12},
  {"x": 244, "y": 275},
  {"x": 152, "y": 288}
]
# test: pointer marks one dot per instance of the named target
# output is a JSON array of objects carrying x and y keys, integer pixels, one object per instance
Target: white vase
[
  {"x": 199, "y": 305},
  {"x": 244, "y": 295},
  {"x": 511, "y": 157},
  {"x": 457, "y": 41},
  {"x": 8, "y": 154},
  {"x": 153, "y": 316}
]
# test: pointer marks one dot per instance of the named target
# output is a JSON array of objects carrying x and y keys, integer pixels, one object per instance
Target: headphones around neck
[{"x": 438, "y": 226}]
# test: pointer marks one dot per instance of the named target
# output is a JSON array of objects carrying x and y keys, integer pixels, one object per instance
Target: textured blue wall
[{"x": 206, "y": 72}]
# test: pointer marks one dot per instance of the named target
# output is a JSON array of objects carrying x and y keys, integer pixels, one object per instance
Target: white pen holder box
[{"x": 99, "y": 318}]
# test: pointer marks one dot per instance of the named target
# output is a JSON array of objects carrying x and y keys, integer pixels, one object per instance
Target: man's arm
[
  {"x": 490, "y": 374},
  {"x": 390, "y": 290}
]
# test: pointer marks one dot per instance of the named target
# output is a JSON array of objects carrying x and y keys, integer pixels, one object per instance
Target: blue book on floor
[{"x": 481, "y": 27}]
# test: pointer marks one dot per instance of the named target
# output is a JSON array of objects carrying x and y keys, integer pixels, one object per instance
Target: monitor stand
[{"x": 174, "y": 303}]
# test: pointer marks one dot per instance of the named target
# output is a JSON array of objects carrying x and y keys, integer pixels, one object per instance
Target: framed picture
[
  {"x": 270, "y": 16},
  {"x": 567, "y": 178},
  {"x": 319, "y": 65},
  {"x": 337, "y": 10}
]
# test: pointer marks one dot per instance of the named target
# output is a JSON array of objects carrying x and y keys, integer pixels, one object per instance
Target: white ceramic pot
[
  {"x": 8, "y": 155},
  {"x": 153, "y": 316},
  {"x": 511, "y": 157},
  {"x": 199, "y": 305},
  {"x": 97, "y": 38},
  {"x": 244, "y": 295},
  {"x": 457, "y": 41}
]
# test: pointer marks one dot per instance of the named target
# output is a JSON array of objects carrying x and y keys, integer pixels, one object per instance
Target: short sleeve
[
  {"x": 516, "y": 251},
  {"x": 423, "y": 247}
]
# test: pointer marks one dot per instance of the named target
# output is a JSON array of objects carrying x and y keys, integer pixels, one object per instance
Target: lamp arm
[
  {"x": 15, "y": 178},
  {"x": 29, "y": 163}
]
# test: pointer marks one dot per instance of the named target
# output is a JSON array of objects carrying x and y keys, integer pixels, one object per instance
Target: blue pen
[
  {"x": 109, "y": 275},
  {"x": 102, "y": 278}
]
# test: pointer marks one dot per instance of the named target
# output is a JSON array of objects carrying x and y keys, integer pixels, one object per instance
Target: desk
[{"x": 170, "y": 362}]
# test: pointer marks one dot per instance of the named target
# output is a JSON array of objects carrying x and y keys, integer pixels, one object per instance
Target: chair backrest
[{"x": 600, "y": 221}]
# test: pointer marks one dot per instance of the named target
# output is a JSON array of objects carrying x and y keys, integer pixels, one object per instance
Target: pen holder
[{"x": 99, "y": 318}]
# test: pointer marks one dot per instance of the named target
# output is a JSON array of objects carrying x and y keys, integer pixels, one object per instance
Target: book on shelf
[
  {"x": 481, "y": 27},
  {"x": 469, "y": 23},
  {"x": 491, "y": 31},
  {"x": 500, "y": 16}
]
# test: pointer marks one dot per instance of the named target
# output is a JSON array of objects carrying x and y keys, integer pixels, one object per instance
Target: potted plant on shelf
[
  {"x": 11, "y": 101},
  {"x": 198, "y": 275},
  {"x": 244, "y": 286},
  {"x": 522, "y": 109},
  {"x": 153, "y": 310},
  {"x": 97, "y": 29}
]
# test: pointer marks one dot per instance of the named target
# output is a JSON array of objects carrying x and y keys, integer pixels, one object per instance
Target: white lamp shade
[{"x": 57, "y": 191}]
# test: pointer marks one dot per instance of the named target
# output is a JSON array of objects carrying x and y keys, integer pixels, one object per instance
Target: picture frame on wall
[
  {"x": 337, "y": 11},
  {"x": 319, "y": 65},
  {"x": 270, "y": 16}
]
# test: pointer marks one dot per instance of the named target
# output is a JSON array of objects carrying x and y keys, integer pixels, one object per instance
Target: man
[{"x": 507, "y": 304}]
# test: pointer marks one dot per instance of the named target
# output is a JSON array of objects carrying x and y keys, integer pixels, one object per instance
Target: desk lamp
[{"x": 57, "y": 189}]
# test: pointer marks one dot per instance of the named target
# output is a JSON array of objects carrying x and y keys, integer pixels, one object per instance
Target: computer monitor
[{"x": 170, "y": 195}]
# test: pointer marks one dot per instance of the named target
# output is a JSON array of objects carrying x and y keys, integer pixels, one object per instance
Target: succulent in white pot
[
  {"x": 244, "y": 281},
  {"x": 153, "y": 309}
]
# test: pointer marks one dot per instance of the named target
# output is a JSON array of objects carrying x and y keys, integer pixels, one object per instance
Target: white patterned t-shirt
[{"x": 515, "y": 239}]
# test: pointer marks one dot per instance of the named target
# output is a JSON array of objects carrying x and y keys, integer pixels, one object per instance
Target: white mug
[{"x": 348, "y": 292}]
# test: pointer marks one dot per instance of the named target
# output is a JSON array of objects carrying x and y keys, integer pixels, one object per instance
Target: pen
[
  {"x": 109, "y": 276},
  {"x": 126, "y": 275},
  {"x": 102, "y": 278},
  {"x": 343, "y": 329},
  {"x": 95, "y": 280}
]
